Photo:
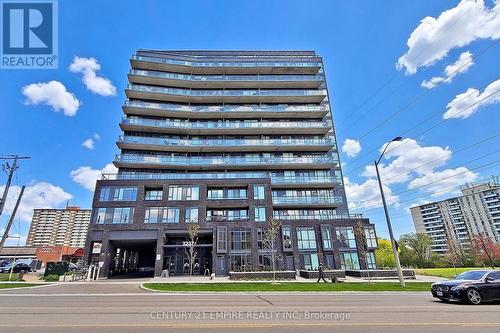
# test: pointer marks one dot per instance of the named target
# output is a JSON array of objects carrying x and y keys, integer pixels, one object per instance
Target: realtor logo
[{"x": 29, "y": 34}]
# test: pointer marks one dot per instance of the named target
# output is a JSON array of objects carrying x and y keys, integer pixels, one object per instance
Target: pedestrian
[{"x": 321, "y": 274}]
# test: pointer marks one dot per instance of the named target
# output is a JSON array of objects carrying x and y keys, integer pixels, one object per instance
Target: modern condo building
[{"x": 228, "y": 140}]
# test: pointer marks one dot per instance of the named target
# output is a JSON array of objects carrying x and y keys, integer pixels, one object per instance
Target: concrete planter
[
  {"x": 380, "y": 273},
  {"x": 266, "y": 275},
  {"x": 339, "y": 273}
]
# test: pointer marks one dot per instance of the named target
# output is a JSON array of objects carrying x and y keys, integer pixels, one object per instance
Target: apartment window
[
  {"x": 349, "y": 260},
  {"x": 227, "y": 215},
  {"x": 241, "y": 240},
  {"x": 306, "y": 238},
  {"x": 161, "y": 215},
  {"x": 170, "y": 215},
  {"x": 241, "y": 262},
  {"x": 122, "y": 215},
  {"x": 260, "y": 239},
  {"x": 221, "y": 239},
  {"x": 183, "y": 192},
  {"x": 310, "y": 261},
  {"x": 370, "y": 260},
  {"x": 118, "y": 194},
  {"x": 260, "y": 214},
  {"x": 326, "y": 237},
  {"x": 259, "y": 192},
  {"x": 153, "y": 194},
  {"x": 371, "y": 239},
  {"x": 99, "y": 215},
  {"x": 227, "y": 193},
  {"x": 286, "y": 235},
  {"x": 151, "y": 215},
  {"x": 345, "y": 237},
  {"x": 191, "y": 215}
]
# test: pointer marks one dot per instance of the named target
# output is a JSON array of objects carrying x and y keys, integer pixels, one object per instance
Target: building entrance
[{"x": 176, "y": 258}]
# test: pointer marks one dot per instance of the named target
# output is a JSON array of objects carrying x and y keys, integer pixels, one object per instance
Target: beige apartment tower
[{"x": 59, "y": 227}]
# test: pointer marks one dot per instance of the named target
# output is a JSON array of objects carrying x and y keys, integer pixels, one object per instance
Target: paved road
[{"x": 125, "y": 308}]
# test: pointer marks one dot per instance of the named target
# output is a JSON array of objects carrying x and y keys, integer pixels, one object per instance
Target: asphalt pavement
[{"x": 125, "y": 307}]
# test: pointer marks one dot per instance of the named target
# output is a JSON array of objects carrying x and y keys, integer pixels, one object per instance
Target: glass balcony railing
[
  {"x": 228, "y": 63},
  {"x": 226, "y": 93},
  {"x": 224, "y": 124},
  {"x": 306, "y": 200},
  {"x": 227, "y": 108},
  {"x": 228, "y": 160},
  {"x": 304, "y": 179},
  {"x": 225, "y": 142},
  {"x": 288, "y": 217},
  {"x": 225, "y": 78},
  {"x": 225, "y": 218},
  {"x": 176, "y": 176}
]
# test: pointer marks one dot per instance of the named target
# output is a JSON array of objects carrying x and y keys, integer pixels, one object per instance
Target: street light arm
[{"x": 398, "y": 138}]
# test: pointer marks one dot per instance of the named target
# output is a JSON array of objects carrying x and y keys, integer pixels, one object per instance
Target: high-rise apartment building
[
  {"x": 229, "y": 140},
  {"x": 476, "y": 211},
  {"x": 59, "y": 227}
]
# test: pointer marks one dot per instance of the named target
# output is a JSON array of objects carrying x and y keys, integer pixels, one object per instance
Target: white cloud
[
  {"x": 462, "y": 106},
  {"x": 440, "y": 182},
  {"x": 38, "y": 195},
  {"x": 367, "y": 195},
  {"x": 410, "y": 159},
  {"x": 351, "y": 147},
  {"x": 97, "y": 84},
  {"x": 459, "y": 26},
  {"x": 54, "y": 94},
  {"x": 90, "y": 142},
  {"x": 86, "y": 176},
  {"x": 462, "y": 65}
]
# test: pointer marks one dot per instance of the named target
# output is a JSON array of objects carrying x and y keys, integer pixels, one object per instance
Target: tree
[
  {"x": 359, "y": 232},
  {"x": 270, "y": 242},
  {"x": 190, "y": 246},
  {"x": 415, "y": 248},
  {"x": 485, "y": 249},
  {"x": 384, "y": 254}
]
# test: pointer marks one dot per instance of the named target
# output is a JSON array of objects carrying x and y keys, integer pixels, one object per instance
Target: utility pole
[
  {"x": 9, "y": 169},
  {"x": 11, "y": 219}
]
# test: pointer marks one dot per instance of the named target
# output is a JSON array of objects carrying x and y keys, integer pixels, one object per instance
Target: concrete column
[
  {"x": 159, "y": 252},
  {"x": 105, "y": 256}
]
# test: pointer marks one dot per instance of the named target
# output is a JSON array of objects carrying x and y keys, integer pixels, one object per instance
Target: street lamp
[{"x": 389, "y": 226}]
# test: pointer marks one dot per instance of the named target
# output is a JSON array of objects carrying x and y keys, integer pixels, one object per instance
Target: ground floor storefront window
[
  {"x": 241, "y": 262},
  {"x": 310, "y": 261}
]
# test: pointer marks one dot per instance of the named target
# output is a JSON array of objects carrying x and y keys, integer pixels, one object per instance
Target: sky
[{"x": 424, "y": 70}]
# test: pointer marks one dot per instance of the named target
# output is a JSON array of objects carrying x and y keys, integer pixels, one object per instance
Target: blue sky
[{"x": 361, "y": 42}]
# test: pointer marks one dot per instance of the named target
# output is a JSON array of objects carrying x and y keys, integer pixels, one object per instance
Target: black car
[
  {"x": 473, "y": 287},
  {"x": 17, "y": 268}
]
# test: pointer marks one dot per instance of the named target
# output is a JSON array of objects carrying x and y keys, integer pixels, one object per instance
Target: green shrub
[{"x": 51, "y": 278}]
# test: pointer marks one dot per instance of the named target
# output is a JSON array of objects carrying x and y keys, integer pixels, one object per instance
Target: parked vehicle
[
  {"x": 4, "y": 263},
  {"x": 473, "y": 287},
  {"x": 18, "y": 267}
]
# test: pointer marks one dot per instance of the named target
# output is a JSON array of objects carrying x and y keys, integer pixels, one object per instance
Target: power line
[
  {"x": 420, "y": 96},
  {"x": 431, "y": 128},
  {"x": 397, "y": 73}
]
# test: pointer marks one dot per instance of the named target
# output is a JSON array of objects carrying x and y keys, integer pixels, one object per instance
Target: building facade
[
  {"x": 228, "y": 140},
  {"x": 59, "y": 227},
  {"x": 476, "y": 211}
]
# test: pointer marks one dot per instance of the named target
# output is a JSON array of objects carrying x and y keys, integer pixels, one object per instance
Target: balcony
[
  {"x": 225, "y": 111},
  {"x": 305, "y": 181},
  {"x": 222, "y": 163},
  {"x": 294, "y": 217},
  {"x": 224, "y": 127},
  {"x": 226, "y": 218},
  {"x": 222, "y": 145},
  {"x": 224, "y": 81},
  {"x": 225, "y": 67},
  {"x": 309, "y": 201},
  {"x": 136, "y": 91}
]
